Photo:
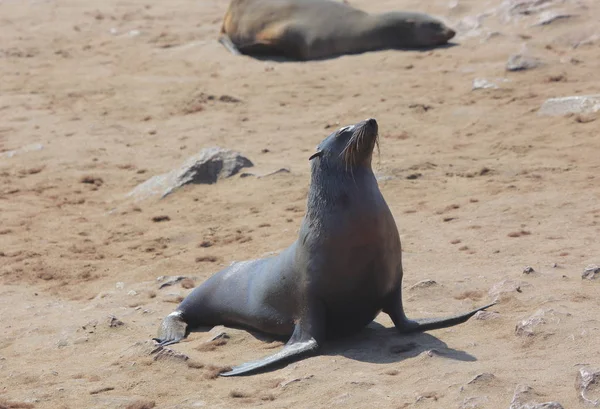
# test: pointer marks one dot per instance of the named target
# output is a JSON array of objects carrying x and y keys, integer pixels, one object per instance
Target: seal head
[
  {"x": 352, "y": 144},
  {"x": 412, "y": 30}
]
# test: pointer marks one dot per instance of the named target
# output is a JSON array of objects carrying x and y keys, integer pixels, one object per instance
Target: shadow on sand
[
  {"x": 264, "y": 53},
  {"x": 375, "y": 344}
]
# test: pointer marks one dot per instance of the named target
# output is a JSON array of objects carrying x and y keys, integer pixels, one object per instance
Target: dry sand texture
[{"x": 481, "y": 187}]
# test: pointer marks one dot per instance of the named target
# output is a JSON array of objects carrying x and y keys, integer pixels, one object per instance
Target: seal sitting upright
[
  {"x": 316, "y": 29},
  {"x": 344, "y": 268}
]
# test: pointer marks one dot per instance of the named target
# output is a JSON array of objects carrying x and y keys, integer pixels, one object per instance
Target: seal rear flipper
[
  {"x": 172, "y": 330},
  {"x": 405, "y": 325}
]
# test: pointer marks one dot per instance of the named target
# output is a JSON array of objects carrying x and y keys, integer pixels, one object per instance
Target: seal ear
[{"x": 316, "y": 154}]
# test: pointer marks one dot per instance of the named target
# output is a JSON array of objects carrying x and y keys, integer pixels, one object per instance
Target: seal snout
[
  {"x": 449, "y": 34},
  {"x": 372, "y": 124}
]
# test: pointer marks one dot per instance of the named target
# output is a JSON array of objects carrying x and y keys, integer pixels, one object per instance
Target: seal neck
[{"x": 333, "y": 187}]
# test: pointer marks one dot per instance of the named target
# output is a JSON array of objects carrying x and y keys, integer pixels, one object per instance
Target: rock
[
  {"x": 285, "y": 383},
  {"x": 525, "y": 398},
  {"x": 424, "y": 284},
  {"x": 482, "y": 83},
  {"x": 24, "y": 149},
  {"x": 171, "y": 281},
  {"x": 207, "y": 167},
  {"x": 591, "y": 272},
  {"x": 506, "y": 287},
  {"x": 114, "y": 322},
  {"x": 581, "y": 104},
  {"x": 533, "y": 325},
  {"x": 528, "y": 270},
  {"x": 486, "y": 315},
  {"x": 522, "y": 62},
  {"x": 550, "y": 16},
  {"x": 217, "y": 332},
  {"x": 482, "y": 378},
  {"x": 587, "y": 384},
  {"x": 475, "y": 402},
  {"x": 162, "y": 353}
]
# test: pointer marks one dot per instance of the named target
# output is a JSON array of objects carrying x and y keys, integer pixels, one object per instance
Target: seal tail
[{"x": 426, "y": 324}]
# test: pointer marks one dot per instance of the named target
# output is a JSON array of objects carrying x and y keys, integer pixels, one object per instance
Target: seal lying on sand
[
  {"x": 345, "y": 267},
  {"x": 315, "y": 29}
]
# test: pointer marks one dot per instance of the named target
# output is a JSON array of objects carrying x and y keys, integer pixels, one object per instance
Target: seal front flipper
[
  {"x": 288, "y": 352},
  {"x": 225, "y": 40},
  {"x": 302, "y": 343},
  {"x": 172, "y": 330}
]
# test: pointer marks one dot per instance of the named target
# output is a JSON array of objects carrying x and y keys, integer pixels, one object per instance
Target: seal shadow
[
  {"x": 264, "y": 53},
  {"x": 374, "y": 344}
]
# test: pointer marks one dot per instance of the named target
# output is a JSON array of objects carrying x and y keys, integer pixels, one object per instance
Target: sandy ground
[{"x": 116, "y": 92}]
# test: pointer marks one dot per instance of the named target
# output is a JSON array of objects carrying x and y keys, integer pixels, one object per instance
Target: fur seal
[
  {"x": 344, "y": 268},
  {"x": 317, "y": 29}
]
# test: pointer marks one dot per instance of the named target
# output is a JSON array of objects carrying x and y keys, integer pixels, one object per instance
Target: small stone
[
  {"x": 424, "y": 284},
  {"x": 62, "y": 343},
  {"x": 587, "y": 384},
  {"x": 114, "y": 322},
  {"x": 528, "y": 270},
  {"x": 581, "y": 104},
  {"x": 475, "y": 402},
  {"x": 486, "y": 315},
  {"x": 100, "y": 390},
  {"x": 482, "y": 378},
  {"x": 162, "y": 353},
  {"x": 525, "y": 398},
  {"x": 120, "y": 285},
  {"x": 522, "y": 61},
  {"x": 81, "y": 340},
  {"x": 550, "y": 16},
  {"x": 25, "y": 149},
  {"x": 131, "y": 292},
  {"x": 170, "y": 281},
  {"x": 591, "y": 272},
  {"x": 506, "y": 287},
  {"x": 482, "y": 83},
  {"x": 283, "y": 384}
]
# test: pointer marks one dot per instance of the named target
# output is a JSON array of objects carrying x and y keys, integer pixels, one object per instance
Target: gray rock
[
  {"x": 25, "y": 149},
  {"x": 482, "y": 83},
  {"x": 525, "y": 398},
  {"x": 588, "y": 386},
  {"x": 506, "y": 288},
  {"x": 550, "y": 16},
  {"x": 543, "y": 321},
  {"x": 581, "y": 104},
  {"x": 170, "y": 281},
  {"x": 486, "y": 315},
  {"x": 475, "y": 402},
  {"x": 591, "y": 272},
  {"x": 522, "y": 62},
  {"x": 207, "y": 167},
  {"x": 424, "y": 284}
]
